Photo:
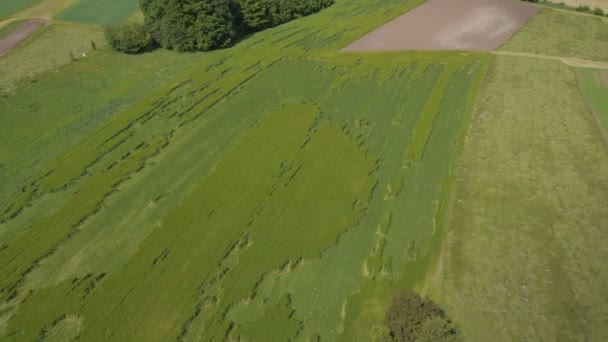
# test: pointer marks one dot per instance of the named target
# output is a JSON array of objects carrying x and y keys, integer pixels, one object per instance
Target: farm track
[
  {"x": 12, "y": 40},
  {"x": 570, "y": 61}
]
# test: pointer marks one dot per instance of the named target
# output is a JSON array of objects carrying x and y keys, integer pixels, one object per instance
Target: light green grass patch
[
  {"x": 594, "y": 85},
  {"x": 526, "y": 246},
  {"x": 563, "y": 34},
  {"x": 100, "y": 12}
]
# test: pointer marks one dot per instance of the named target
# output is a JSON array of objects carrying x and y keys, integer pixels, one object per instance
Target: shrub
[
  {"x": 412, "y": 318},
  {"x": 582, "y": 8},
  {"x": 598, "y": 11},
  {"x": 129, "y": 38}
]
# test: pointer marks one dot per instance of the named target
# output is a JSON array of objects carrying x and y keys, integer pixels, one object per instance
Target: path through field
[
  {"x": 20, "y": 34},
  {"x": 571, "y": 61}
]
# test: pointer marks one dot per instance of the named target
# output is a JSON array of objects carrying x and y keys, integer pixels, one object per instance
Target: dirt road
[{"x": 20, "y": 34}]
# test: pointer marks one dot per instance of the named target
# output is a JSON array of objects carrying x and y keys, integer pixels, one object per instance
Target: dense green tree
[
  {"x": 129, "y": 38},
  {"x": 256, "y": 14},
  {"x": 412, "y": 318},
  {"x": 200, "y": 25},
  {"x": 191, "y": 25}
]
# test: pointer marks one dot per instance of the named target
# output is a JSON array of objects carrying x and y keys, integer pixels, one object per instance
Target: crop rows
[
  {"x": 254, "y": 190},
  {"x": 333, "y": 179}
]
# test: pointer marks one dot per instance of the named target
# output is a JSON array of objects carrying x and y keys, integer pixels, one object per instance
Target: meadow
[
  {"x": 281, "y": 189},
  {"x": 526, "y": 235}
]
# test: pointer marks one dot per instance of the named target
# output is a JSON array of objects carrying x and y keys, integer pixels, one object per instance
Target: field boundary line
[
  {"x": 570, "y": 61},
  {"x": 565, "y": 10}
]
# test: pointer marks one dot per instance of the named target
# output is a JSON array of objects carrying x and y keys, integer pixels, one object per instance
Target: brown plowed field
[
  {"x": 450, "y": 25},
  {"x": 20, "y": 34}
]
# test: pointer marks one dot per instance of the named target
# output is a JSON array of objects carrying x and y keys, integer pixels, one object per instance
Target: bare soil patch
[
  {"x": 450, "y": 25},
  {"x": 20, "y": 34}
]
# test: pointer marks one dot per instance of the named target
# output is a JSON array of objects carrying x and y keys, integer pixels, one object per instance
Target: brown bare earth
[
  {"x": 20, "y": 34},
  {"x": 450, "y": 25}
]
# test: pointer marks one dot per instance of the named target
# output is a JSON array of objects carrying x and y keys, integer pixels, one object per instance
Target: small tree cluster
[
  {"x": 201, "y": 25},
  {"x": 412, "y": 318},
  {"x": 582, "y": 8},
  {"x": 129, "y": 38}
]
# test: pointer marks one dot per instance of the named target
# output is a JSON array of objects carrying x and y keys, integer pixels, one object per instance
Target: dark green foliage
[
  {"x": 582, "y": 8},
  {"x": 191, "y": 25},
  {"x": 598, "y": 11},
  {"x": 261, "y": 14},
  {"x": 412, "y": 318},
  {"x": 129, "y": 38},
  {"x": 201, "y": 25}
]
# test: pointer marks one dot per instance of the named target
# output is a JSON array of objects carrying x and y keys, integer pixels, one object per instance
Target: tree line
[{"x": 202, "y": 25}]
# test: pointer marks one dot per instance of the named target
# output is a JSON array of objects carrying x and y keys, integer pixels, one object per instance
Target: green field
[
  {"x": 594, "y": 85},
  {"x": 229, "y": 199},
  {"x": 226, "y": 199},
  {"x": 558, "y": 33},
  {"x": 280, "y": 189},
  {"x": 527, "y": 232},
  {"x": 100, "y": 12},
  {"x": 8, "y": 7}
]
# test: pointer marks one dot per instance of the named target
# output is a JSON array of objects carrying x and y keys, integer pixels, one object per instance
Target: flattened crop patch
[{"x": 450, "y": 25}]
